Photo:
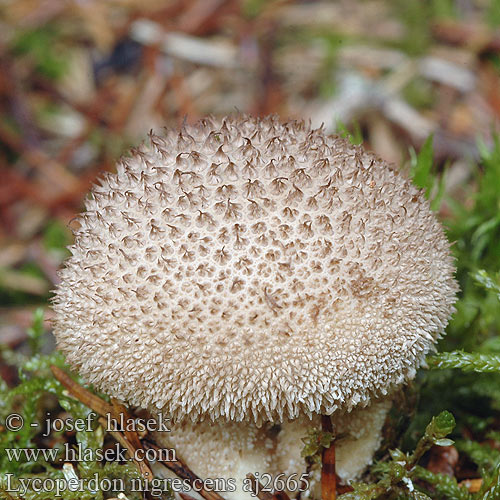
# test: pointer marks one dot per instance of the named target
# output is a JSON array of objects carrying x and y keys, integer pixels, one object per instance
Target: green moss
[
  {"x": 43, "y": 46},
  {"x": 38, "y": 395}
]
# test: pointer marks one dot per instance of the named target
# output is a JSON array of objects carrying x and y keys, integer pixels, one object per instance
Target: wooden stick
[
  {"x": 142, "y": 465},
  {"x": 328, "y": 477},
  {"x": 258, "y": 490},
  {"x": 185, "y": 496},
  {"x": 77, "y": 391},
  {"x": 130, "y": 440},
  {"x": 280, "y": 495},
  {"x": 131, "y": 436}
]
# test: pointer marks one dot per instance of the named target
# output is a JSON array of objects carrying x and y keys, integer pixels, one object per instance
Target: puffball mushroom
[{"x": 253, "y": 271}]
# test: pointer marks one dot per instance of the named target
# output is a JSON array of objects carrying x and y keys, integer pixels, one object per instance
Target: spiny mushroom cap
[{"x": 253, "y": 270}]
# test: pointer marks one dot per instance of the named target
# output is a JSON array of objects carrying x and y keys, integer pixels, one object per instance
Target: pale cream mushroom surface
[{"x": 251, "y": 271}]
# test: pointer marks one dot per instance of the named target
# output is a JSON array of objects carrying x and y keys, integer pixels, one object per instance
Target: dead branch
[
  {"x": 77, "y": 391},
  {"x": 257, "y": 489},
  {"x": 185, "y": 496},
  {"x": 328, "y": 477},
  {"x": 130, "y": 440},
  {"x": 142, "y": 465}
]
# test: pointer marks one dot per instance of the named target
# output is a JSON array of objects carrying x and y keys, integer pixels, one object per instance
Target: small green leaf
[
  {"x": 487, "y": 282},
  {"x": 421, "y": 165},
  {"x": 438, "y": 429},
  {"x": 355, "y": 136},
  {"x": 438, "y": 197},
  {"x": 35, "y": 332},
  {"x": 444, "y": 442},
  {"x": 441, "y": 425},
  {"x": 315, "y": 442}
]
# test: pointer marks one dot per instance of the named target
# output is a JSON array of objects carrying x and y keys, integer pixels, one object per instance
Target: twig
[
  {"x": 16, "y": 280},
  {"x": 37, "y": 159},
  {"x": 186, "y": 47},
  {"x": 76, "y": 390},
  {"x": 328, "y": 477},
  {"x": 142, "y": 465},
  {"x": 258, "y": 490},
  {"x": 131, "y": 436},
  {"x": 270, "y": 95},
  {"x": 199, "y": 16},
  {"x": 477, "y": 37},
  {"x": 185, "y": 496},
  {"x": 130, "y": 440},
  {"x": 280, "y": 495}
]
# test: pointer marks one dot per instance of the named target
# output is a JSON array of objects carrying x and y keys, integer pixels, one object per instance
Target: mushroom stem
[
  {"x": 328, "y": 477},
  {"x": 179, "y": 468}
]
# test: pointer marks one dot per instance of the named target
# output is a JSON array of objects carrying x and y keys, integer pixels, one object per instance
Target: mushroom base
[{"x": 227, "y": 452}]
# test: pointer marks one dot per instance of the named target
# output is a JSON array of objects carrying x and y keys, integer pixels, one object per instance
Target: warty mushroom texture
[{"x": 245, "y": 272}]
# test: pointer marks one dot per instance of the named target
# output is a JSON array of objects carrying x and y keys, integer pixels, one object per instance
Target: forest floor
[{"x": 418, "y": 82}]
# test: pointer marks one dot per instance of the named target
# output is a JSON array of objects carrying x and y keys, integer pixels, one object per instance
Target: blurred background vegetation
[{"x": 417, "y": 81}]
